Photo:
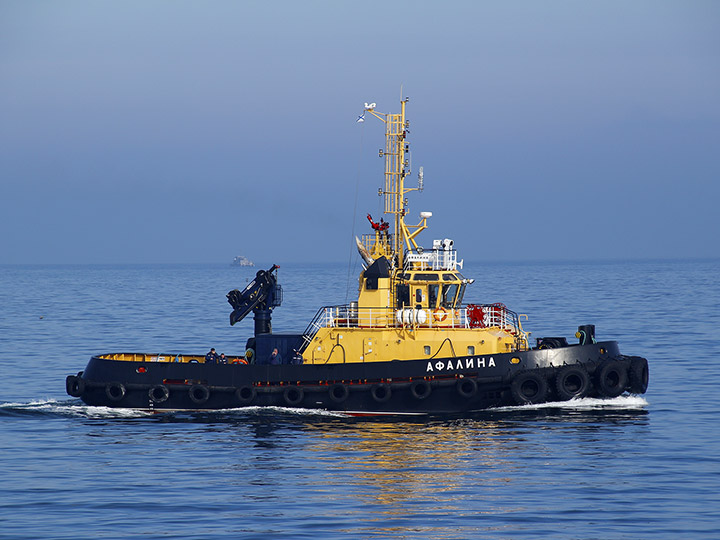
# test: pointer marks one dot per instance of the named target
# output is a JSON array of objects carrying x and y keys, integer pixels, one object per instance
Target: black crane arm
[{"x": 260, "y": 292}]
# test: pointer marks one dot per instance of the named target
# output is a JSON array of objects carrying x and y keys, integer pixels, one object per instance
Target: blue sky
[{"x": 172, "y": 131}]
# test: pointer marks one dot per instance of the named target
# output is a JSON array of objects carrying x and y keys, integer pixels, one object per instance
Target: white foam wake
[
  {"x": 71, "y": 408},
  {"x": 282, "y": 410},
  {"x": 75, "y": 408},
  {"x": 586, "y": 404}
]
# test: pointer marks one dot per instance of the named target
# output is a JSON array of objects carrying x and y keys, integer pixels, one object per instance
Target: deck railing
[
  {"x": 470, "y": 316},
  {"x": 385, "y": 243}
]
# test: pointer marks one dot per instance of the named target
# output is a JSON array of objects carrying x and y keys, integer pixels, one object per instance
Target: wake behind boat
[{"x": 408, "y": 345}]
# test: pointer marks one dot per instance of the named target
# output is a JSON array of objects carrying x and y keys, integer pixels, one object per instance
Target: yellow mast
[{"x": 397, "y": 168}]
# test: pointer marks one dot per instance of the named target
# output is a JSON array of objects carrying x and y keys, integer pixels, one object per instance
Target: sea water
[{"x": 631, "y": 467}]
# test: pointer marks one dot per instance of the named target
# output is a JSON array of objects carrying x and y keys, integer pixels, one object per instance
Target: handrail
[
  {"x": 436, "y": 259},
  {"x": 468, "y": 316}
]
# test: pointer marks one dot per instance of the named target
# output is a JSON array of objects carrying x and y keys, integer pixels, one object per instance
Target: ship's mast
[{"x": 397, "y": 168}]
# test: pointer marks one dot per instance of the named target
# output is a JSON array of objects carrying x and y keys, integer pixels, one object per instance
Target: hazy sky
[{"x": 176, "y": 131}]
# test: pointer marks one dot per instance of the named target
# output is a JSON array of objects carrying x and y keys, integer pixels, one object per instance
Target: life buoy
[
  {"x": 293, "y": 395},
  {"x": 381, "y": 392},
  {"x": 466, "y": 387},
  {"x": 572, "y": 382},
  {"x": 639, "y": 375},
  {"x": 246, "y": 394},
  {"x": 115, "y": 391},
  {"x": 420, "y": 389},
  {"x": 74, "y": 385},
  {"x": 529, "y": 387},
  {"x": 199, "y": 393},
  {"x": 440, "y": 314},
  {"x": 239, "y": 361},
  {"x": 612, "y": 379},
  {"x": 339, "y": 392},
  {"x": 159, "y": 393}
]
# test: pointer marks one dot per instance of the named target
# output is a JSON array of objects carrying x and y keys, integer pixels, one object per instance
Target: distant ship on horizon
[{"x": 242, "y": 261}]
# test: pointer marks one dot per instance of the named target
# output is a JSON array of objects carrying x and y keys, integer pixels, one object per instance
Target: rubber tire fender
[
  {"x": 466, "y": 387},
  {"x": 199, "y": 393},
  {"x": 293, "y": 395},
  {"x": 420, "y": 389},
  {"x": 612, "y": 379},
  {"x": 572, "y": 382},
  {"x": 246, "y": 394},
  {"x": 381, "y": 392},
  {"x": 338, "y": 393},
  {"x": 639, "y": 375},
  {"x": 74, "y": 385},
  {"x": 529, "y": 387},
  {"x": 164, "y": 393},
  {"x": 115, "y": 391}
]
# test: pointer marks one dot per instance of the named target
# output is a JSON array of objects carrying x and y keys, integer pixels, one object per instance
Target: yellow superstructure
[{"x": 410, "y": 301}]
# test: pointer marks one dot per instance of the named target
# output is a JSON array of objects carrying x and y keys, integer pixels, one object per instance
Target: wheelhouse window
[
  {"x": 433, "y": 295},
  {"x": 459, "y": 300},
  {"x": 448, "y": 295}
]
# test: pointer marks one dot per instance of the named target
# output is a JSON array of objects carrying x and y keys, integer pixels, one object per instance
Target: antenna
[{"x": 421, "y": 181}]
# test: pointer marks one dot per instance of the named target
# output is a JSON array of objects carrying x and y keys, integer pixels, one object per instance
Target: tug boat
[{"x": 408, "y": 345}]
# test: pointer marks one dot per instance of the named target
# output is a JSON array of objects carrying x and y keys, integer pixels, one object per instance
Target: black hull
[{"x": 429, "y": 386}]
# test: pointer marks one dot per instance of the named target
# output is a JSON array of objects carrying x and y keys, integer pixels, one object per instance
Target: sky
[{"x": 190, "y": 132}]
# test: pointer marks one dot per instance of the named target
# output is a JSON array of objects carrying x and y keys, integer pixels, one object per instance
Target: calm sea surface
[{"x": 632, "y": 467}]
